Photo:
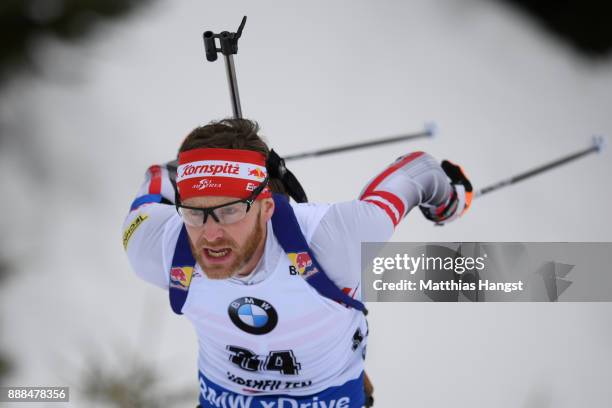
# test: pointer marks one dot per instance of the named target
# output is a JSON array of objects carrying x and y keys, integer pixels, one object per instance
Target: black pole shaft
[
  {"x": 537, "y": 170},
  {"x": 363, "y": 145},
  {"x": 230, "y": 69}
]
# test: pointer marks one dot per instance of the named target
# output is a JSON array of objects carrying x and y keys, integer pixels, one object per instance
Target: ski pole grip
[
  {"x": 209, "y": 46},
  {"x": 229, "y": 43}
]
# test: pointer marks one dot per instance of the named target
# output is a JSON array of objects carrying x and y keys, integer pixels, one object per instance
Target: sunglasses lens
[
  {"x": 192, "y": 217},
  {"x": 231, "y": 213}
]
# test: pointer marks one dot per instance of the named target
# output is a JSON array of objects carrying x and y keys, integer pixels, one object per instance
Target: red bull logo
[
  {"x": 181, "y": 277},
  {"x": 302, "y": 261},
  {"x": 303, "y": 264},
  {"x": 256, "y": 172}
]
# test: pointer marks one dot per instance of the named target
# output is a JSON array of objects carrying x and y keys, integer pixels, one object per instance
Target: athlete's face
[{"x": 227, "y": 250}]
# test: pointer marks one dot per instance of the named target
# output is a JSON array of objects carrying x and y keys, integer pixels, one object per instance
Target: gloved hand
[{"x": 459, "y": 201}]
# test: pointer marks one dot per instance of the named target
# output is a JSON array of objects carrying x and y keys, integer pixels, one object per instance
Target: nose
[{"x": 212, "y": 230}]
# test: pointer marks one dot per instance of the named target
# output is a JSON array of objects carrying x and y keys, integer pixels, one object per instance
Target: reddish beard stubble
[{"x": 241, "y": 255}]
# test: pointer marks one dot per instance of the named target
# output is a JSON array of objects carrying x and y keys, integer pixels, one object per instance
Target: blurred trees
[
  {"x": 136, "y": 383},
  {"x": 23, "y": 23},
  {"x": 4, "y": 362},
  {"x": 584, "y": 24}
]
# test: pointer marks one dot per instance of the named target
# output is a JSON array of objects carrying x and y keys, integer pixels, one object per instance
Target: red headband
[{"x": 220, "y": 172}]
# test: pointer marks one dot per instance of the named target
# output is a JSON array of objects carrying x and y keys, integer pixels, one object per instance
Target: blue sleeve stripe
[{"x": 145, "y": 199}]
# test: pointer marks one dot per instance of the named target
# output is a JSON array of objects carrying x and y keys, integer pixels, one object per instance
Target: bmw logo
[{"x": 253, "y": 315}]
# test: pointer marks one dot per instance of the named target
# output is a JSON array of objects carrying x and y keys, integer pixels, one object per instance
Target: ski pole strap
[
  {"x": 181, "y": 271},
  {"x": 289, "y": 234},
  {"x": 276, "y": 169}
]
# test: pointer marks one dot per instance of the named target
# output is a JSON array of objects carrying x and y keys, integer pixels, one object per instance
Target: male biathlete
[{"x": 272, "y": 288}]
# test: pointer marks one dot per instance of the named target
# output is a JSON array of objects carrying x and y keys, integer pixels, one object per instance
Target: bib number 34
[{"x": 282, "y": 361}]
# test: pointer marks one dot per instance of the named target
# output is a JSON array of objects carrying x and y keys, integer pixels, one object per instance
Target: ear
[{"x": 267, "y": 209}]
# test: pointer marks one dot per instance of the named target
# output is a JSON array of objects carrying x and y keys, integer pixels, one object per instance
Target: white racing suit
[{"x": 269, "y": 339}]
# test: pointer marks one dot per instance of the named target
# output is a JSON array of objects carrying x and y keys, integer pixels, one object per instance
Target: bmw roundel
[{"x": 253, "y": 315}]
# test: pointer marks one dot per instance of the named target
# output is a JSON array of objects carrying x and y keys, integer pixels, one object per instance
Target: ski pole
[
  {"x": 596, "y": 146},
  {"x": 229, "y": 47},
  {"x": 429, "y": 131}
]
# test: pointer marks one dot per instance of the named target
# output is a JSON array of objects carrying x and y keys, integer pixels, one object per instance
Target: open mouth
[{"x": 217, "y": 254}]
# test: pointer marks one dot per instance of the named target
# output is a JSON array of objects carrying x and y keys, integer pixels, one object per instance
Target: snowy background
[{"x": 505, "y": 96}]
